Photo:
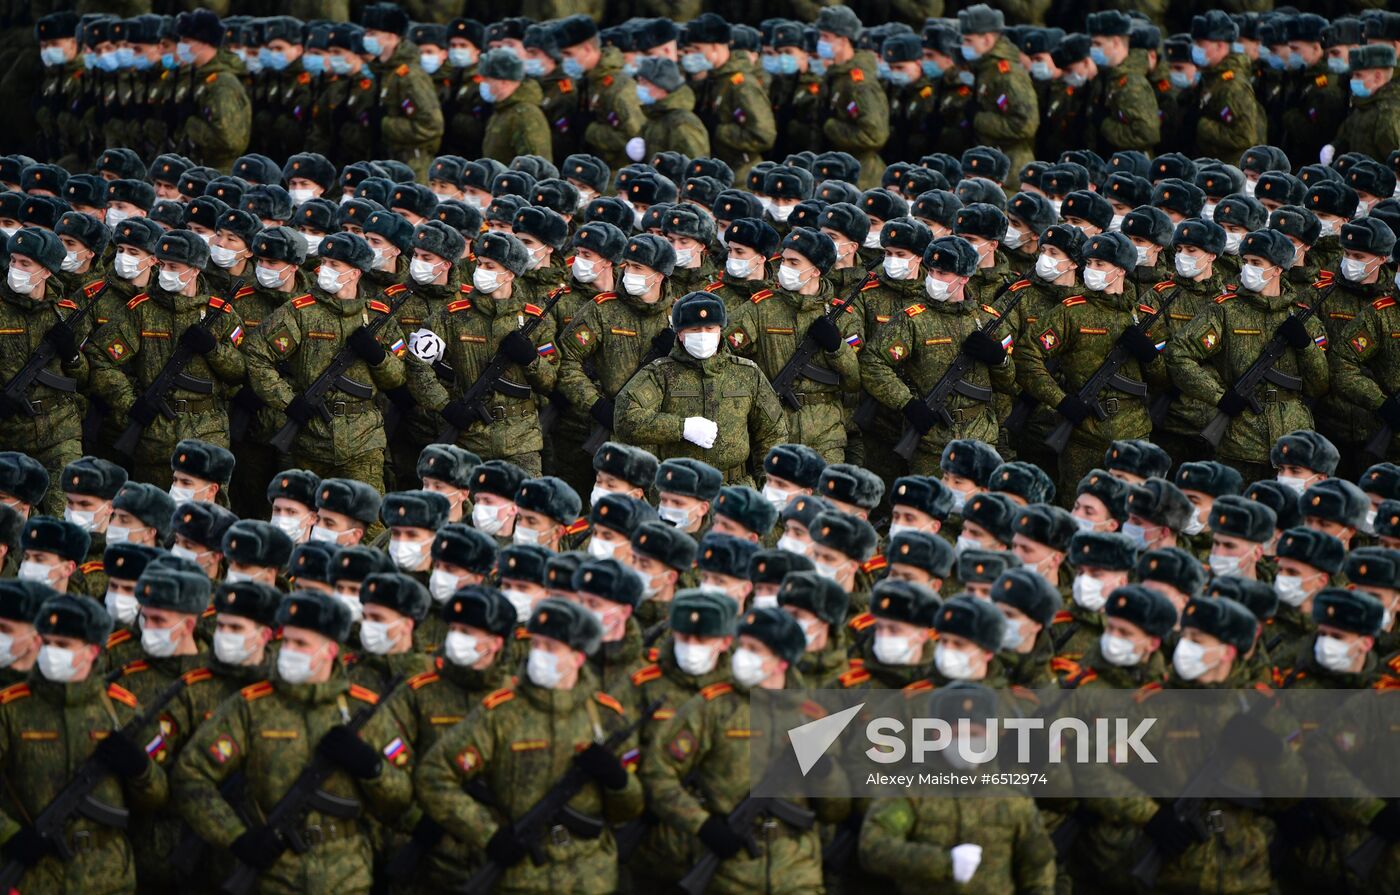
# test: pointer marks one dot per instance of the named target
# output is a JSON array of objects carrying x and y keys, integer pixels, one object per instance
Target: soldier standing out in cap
[
  {"x": 857, "y": 116},
  {"x": 1230, "y": 118},
  {"x": 409, "y": 118},
  {"x": 516, "y": 126},
  {"x": 1006, "y": 113},
  {"x": 217, "y": 131}
]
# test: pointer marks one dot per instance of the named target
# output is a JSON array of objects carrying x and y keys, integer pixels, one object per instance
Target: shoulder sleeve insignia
[
  {"x": 915, "y": 310},
  {"x": 714, "y": 691},
  {"x": 13, "y": 692},
  {"x": 137, "y": 300},
  {"x": 559, "y": 290},
  {"x": 607, "y": 701},
  {"x": 499, "y": 698},
  {"x": 1148, "y": 690},
  {"x": 1164, "y": 285},
  {"x": 1064, "y": 665},
  {"x": 93, "y": 288},
  {"x": 395, "y": 289},
  {"x": 871, "y": 284},
  {"x": 645, "y": 674},
  {"x": 713, "y": 287},
  {"x": 922, "y": 686},
  {"x": 67, "y": 303},
  {"x": 1019, "y": 285},
  {"x": 579, "y": 524},
  {"x": 761, "y": 294},
  {"x": 1003, "y": 66},
  {"x": 135, "y": 667},
  {"x": 256, "y": 691},
  {"x": 303, "y": 301},
  {"x": 401, "y": 70},
  {"x": 991, "y": 310},
  {"x": 419, "y": 681},
  {"x": 377, "y": 305},
  {"x": 122, "y": 695},
  {"x": 534, "y": 310},
  {"x": 857, "y": 76}
]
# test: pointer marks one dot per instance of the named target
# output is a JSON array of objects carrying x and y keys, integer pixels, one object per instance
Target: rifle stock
[{"x": 801, "y": 359}]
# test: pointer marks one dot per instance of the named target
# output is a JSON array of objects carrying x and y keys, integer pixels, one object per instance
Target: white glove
[
  {"x": 636, "y": 149},
  {"x": 966, "y": 858},
  {"x": 701, "y": 431},
  {"x": 1325, "y": 156}
]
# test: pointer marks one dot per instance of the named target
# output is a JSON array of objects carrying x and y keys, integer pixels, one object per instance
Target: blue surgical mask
[
  {"x": 696, "y": 63},
  {"x": 1236, "y": 47},
  {"x": 572, "y": 68},
  {"x": 969, "y": 53},
  {"x": 89, "y": 59},
  {"x": 1041, "y": 71},
  {"x": 52, "y": 56},
  {"x": 372, "y": 45},
  {"x": 1072, "y": 79},
  {"x": 107, "y": 61},
  {"x": 1097, "y": 54},
  {"x": 459, "y": 57},
  {"x": 932, "y": 69},
  {"x": 825, "y": 49},
  {"x": 340, "y": 65},
  {"x": 487, "y": 94},
  {"x": 882, "y": 70},
  {"x": 1180, "y": 80},
  {"x": 816, "y": 67},
  {"x": 967, "y": 78},
  {"x": 629, "y": 69},
  {"x": 429, "y": 62},
  {"x": 126, "y": 57},
  {"x": 184, "y": 52},
  {"x": 313, "y": 65},
  {"x": 1359, "y": 88},
  {"x": 167, "y": 61},
  {"x": 1273, "y": 60},
  {"x": 772, "y": 64},
  {"x": 644, "y": 96},
  {"x": 274, "y": 59},
  {"x": 142, "y": 63},
  {"x": 900, "y": 79},
  {"x": 1198, "y": 55},
  {"x": 1297, "y": 62},
  {"x": 534, "y": 68},
  {"x": 1337, "y": 65}
]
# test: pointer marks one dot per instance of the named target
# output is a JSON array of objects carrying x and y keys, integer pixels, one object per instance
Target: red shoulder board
[
  {"x": 304, "y": 78},
  {"x": 395, "y": 289},
  {"x": 646, "y": 673},
  {"x": 534, "y": 310},
  {"x": 607, "y": 701},
  {"x": 256, "y": 691},
  {"x": 1003, "y": 66},
  {"x": 1085, "y": 677},
  {"x": 93, "y": 288},
  {"x": 419, "y": 681},
  {"x": 566, "y": 85},
  {"x": 1074, "y": 300},
  {"x": 918, "y": 686},
  {"x": 302, "y": 301},
  {"x": 13, "y": 692},
  {"x": 812, "y": 709},
  {"x": 1227, "y": 76},
  {"x": 500, "y": 697},
  {"x": 1326, "y": 276},
  {"x": 67, "y": 303},
  {"x": 853, "y": 677},
  {"x": 1264, "y": 688},
  {"x": 88, "y": 568},
  {"x": 1163, "y": 286},
  {"x": 1386, "y": 684},
  {"x": 861, "y": 622},
  {"x": 219, "y": 304},
  {"x": 1220, "y": 300},
  {"x": 760, "y": 295},
  {"x": 873, "y": 283},
  {"x": 915, "y": 310},
  {"x": 857, "y": 76},
  {"x": 1147, "y": 309},
  {"x": 1062, "y": 617},
  {"x": 607, "y": 80},
  {"x": 117, "y": 638},
  {"x": 197, "y": 676},
  {"x": 602, "y": 297},
  {"x": 136, "y": 300},
  {"x": 244, "y": 292},
  {"x": 401, "y": 70},
  {"x": 466, "y": 289},
  {"x": 1019, "y": 285},
  {"x": 1394, "y": 663},
  {"x": 135, "y": 667},
  {"x": 461, "y": 304},
  {"x": 874, "y": 563},
  {"x": 377, "y": 305},
  {"x": 1147, "y": 691},
  {"x": 714, "y": 691},
  {"x": 364, "y": 694},
  {"x": 1164, "y": 85},
  {"x": 559, "y": 290},
  {"x": 1063, "y": 665},
  {"x": 715, "y": 286},
  {"x": 991, "y": 310},
  {"x": 841, "y": 303},
  {"x": 122, "y": 695},
  {"x": 580, "y": 524},
  {"x": 814, "y": 89},
  {"x": 213, "y": 76},
  {"x": 1387, "y": 301}
]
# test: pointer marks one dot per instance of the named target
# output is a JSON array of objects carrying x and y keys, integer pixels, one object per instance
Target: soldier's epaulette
[
  {"x": 607, "y": 701},
  {"x": 559, "y": 290},
  {"x": 499, "y": 698},
  {"x": 1074, "y": 300},
  {"x": 254, "y": 692},
  {"x": 874, "y": 563},
  {"x": 402, "y": 70},
  {"x": 919, "y": 686},
  {"x": 135, "y": 667},
  {"x": 67, "y": 303},
  {"x": 395, "y": 289},
  {"x": 1394, "y": 663},
  {"x": 197, "y": 676},
  {"x": 915, "y": 310},
  {"x": 566, "y": 85},
  {"x": 1224, "y": 297},
  {"x": 1081, "y": 677},
  {"x": 853, "y": 677},
  {"x": 1062, "y": 665},
  {"x": 461, "y": 304},
  {"x": 302, "y": 301},
  {"x": 304, "y": 78},
  {"x": 736, "y": 78},
  {"x": 760, "y": 295},
  {"x": 364, "y": 694},
  {"x": 653, "y": 654},
  {"x": 714, "y": 691},
  {"x": 991, "y": 310},
  {"x": 1227, "y": 76},
  {"x": 1020, "y": 284},
  {"x": 419, "y": 681},
  {"x": 1320, "y": 80},
  {"x": 137, "y": 300},
  {"x": 219, "y": 304},
  {"x": 1325, "y": 277},
  {"x": 1385, "y": 301},
  {"x": 715, "y": 286},
  {"x": 1061, "y": 617},
  {"x": 1147, "y": 309},
  {"x": 812, "y": 709},
  {"x": 93, "y": 288},
  {"x": 88, "y": 568},
  {"x": 1265, "y": 689},
  {"x": 645, "y": 674},
  {"x": 604, "y": 297},
  {"x": 1025, "y": 694},
  {"x": 522, "y": 633},
  {"x": 842, "y": 303},
  {"x": 533, "y": 310},
  {"x": 122, "y": 695},
  {"x": 580, "y": 524},
  {"x": 13, "y": 692},
  {"x": 861, "y": 622},
  {"x": 1147, "y": 691},
  {"x": 213, "y": 76},
  {"x": 1386, "y": 683},
  {"x": 378, "y": 306},
  {"x": 244, "y": 292},
  {"x": 873, "y": 283},
  {"x": 117, "y": 638},
  {"x": 1163, "y": 286}
]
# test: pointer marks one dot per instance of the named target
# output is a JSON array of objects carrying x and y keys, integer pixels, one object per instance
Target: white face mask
[
  {"x": 891, "y": 649},
  {"x": 1119, "y": 651},
  {"x": 1233, "y": 242},
  {"x": 675, "y": 515},
  {"x": 126, "y": 266},
  {"x": 1290, "y": 589},
  {"x": 1047, "y": 268},
  {"x": 122, "y": 607},
  {"x": 832, "y": 573},
  {"x": 70, "y": 263},
  {"x": 597, "y": 494},
  {"x": 267, "y": 277},
  {"x": 320, "y": 535},
  {"x": 793, "y": 545},
  {"x": 872, "y": 239},
  {"x": 684, "y": 257},
  {"x": 738, "y": 267},
  {"x": 1354, "y": 271},
  {"x": 293, "y": 666},
  {"x": 184, "y": 553},
  {"x": 223, "y": 257},
  {"x": 1189, "y": 660},
  {"x": 1089, "y": 592},
  {"x": 965, "y": 543},
  {"x": 1097, "y": 280},
  {"x": 527, "y": 536},
  {"x": 1137, "y": 533},
  {"x": 599, "y": 549},
  {"x": 461, "y": 648},
  {"x": 897, "y": 529},
  {"x": 374, "y": 636},
  {"x": 1293, "y": 483},
  {"x": 634, "y": 283},
  {"x": 1116, "y": 224},
  {"x": 487, "y": 519},
  {"x": 1208, "y": 211},
  {"x": 1224, "y": 566},
  {"x": 650, "y": 587},
  {"x": 543, "y": 669},
  {"x": 959, "y": 500},
  {"x": 776, "y": 496},
  {"x": 116, "y": 534},
  {"x": 231, "y": 648},
  {"x": 701, "y": 345},
  {"x": 7, "y": 651},
  {"x": 486, "y": 281},
  {"x": 170, "y": 281},
  {"x": 1187, "y": 265},
  {"x": 695, "y": 658},
  {"x": 158, "y": 643},
  {"x": 1142, "y": 260},
  {"x": 442, "y": 585},
  {"x": 780, "y": 213},
  {"x": 1325, "y": 228},
  {"x": 1195, "y": 525},
  {"x": 1369, "y": 526},
  {"x": 301, "y": 195},
  {"x": 1013, "y": 238},
  {"x": 937, "y": 289},
  {"x": 790, "y": 278},
  {"x": 898, "y": 268},
  {"x": 423, "y": 272},
  {"x": 1011, "y": 635},
  {"x": 56, "y": 664},
  {"x": 21, "y": 282},
  {"x": 29, "y": 570},
  {"x": 313, "y": 244},
  {"x": 769, "y": 601},
  {"x": 237, "y": 576},
  {"x": 293, "y": 527},
  {"x": 380, "y": 256},
  {"x": 1332, "y": 653},
  {"x": 584, "y": 271},
  {"x": 409, "y": 556},
  {"x": 357, "y": 609},
  {"x": 1252, "y": 278},
  {"x": 115, "y": 216},
  {"x": 328, "y": 280},
  {"x": 953, "y": 664},
  {"x": 180, "y": 494},
  {"x": 520, "y": 600},
  {"x": 747, "y": 667}
]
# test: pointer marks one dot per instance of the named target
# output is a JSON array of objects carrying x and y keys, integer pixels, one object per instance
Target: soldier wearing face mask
[
  {"x": 19, "y": 640},
  {"x": 744, "y": 513},
  {"x": 622, "y": 469},
  {"x": 1239, "y": 529},
  {"x": 1202, "y": 482},
  {"x": 976, "y": 570},
  {"x": 1263, "y": 603},
  {"x": 1028, "y": 604},
  {"x": 614, "y": 519},
  {"x": 918, "y": 503},
  {"x": 611, "y": 591},
  {"x": 412, "y": 519},
  {"x": 1337, "y": 507},
  {"x": 89, "y": 485},
  {"x": 768, "y": 568},
  {"x": 349, "y": 568},
  {"x": 1040, "y": 538},
  {"x": 1303, "y": 459},
  {"x": 1101, "y": 562},
  {"x": 447, "y": 470},
  {"x": 1129, "y": 653},
  {"x": 1174, "y": 573},
  {"x": 493, "y": 487},
  {"x": 664, "y": 557},
  {"x": 842, "y": 547},
  {"x": 123, "y": 564},
  {"x": 394, "y": 604},
  {"x": 197, "y": 530},
  {"x": 1307, "y": 562},
  {"x": 244, "y": 621},
  {"x": 896, "y": 651},
  {"x": 52, "y": 550},
  {"x": 547, "y": 514},
  {"x": 310, "y": 568},
  {"x": 723, "y": 563},
  {"x": 345, "y": 511},
  {"x": 200, "y": 471},
  {"x": 1381, "y": 483},
  {"x": 1340, "y": 654},
  {"x": 967, "y": 466},
  {"x": 987, "y": 524},
  {"x": 1100, "y": 502},
  {"x": 970, "y": 632},
  {"x": 1157, "y": 512},
  {"x": 461, "y": 557},
  {"x": 790, "y": 470},
  {"x": 256, "y": 551},
  {"x": 1376, "y": 571}
]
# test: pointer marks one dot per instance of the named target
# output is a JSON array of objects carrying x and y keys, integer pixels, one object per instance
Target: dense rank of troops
[{"x": 417, "y": 514}]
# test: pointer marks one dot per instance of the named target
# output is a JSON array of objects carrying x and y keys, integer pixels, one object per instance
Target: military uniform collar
[
  {"x": 624, "y": 652},
  {"x": 61, "y": 695},
  {"x": 709, "y": 365},
  {"x": 338, "y": 306},
  {"x": 316, "y": 694},
  {"x": 897, "y": 677},
  {"x": 174, "y": 666},
  {"x": 558, "y": 701},
  {"x": 472, "y": 680},
  {"x": 241, "y": 674}
]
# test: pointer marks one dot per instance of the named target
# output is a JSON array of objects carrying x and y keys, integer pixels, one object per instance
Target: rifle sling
[{"x": 194, "y": 384}]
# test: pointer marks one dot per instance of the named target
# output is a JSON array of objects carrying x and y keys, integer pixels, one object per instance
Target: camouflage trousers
[
  {"x": 1080, "y": 456},
  {"x": 55, "y": 457},
  {"x": 335, "y": 867},
  {"x": 367, "y": 467},
  {"x": 563, "y": 452}
]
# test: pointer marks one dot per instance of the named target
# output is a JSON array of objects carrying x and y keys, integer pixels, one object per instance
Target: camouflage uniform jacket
[
  {"x": 857, "y": 117},
  {"x": 561, "y": 109},
  {"x": 517, "y": 126},
  {"x": 1007, "y": 114},
  {"x": 1030, "y": 670},
  {"x": 217, "y": 133},
  {"x": 410, "y": 126},
  {"x": 736, "y": 293},
  {"x": 613, "y": 110},
  {"x": 734, "y": 107},
  {"x": 1345, "y": 421},
  {"x": 1187, "y": 415},
  {"x": 1230, "y": 118},
  {"x": 1315, "y": 113},
  {"x": 672, "y": 125},
  {"x": 1366, "y": 363},
  {"x": 58, "y": 413},
  {"x": 1126, "y": 108},
  {"x": 1074, "y": 631}
]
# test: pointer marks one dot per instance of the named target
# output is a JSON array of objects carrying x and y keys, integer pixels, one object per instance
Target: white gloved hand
[
  {"x": 636, "y": 149},
  {"x": 1327, "y": 153},
  {"x": 966, "y": 858},
  {"x": 701, "y": 431}
]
